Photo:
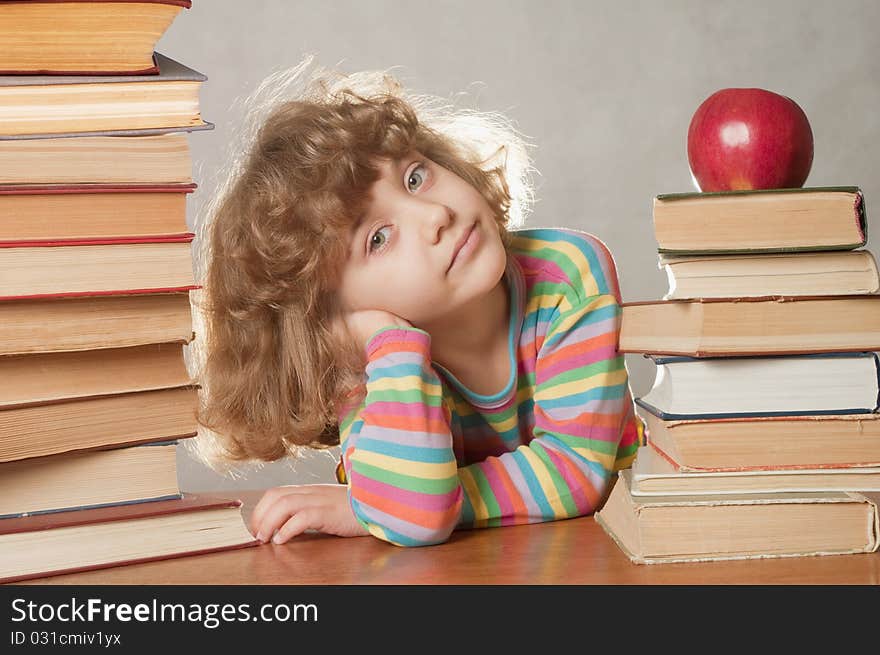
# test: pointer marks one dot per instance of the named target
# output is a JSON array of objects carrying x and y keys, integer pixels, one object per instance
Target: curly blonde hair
[{"x": 272, "y": 370}]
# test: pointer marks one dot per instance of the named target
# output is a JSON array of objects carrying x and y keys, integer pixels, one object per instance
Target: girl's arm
[
  {"x": 585, "y": 426},
  {"x": 397, "y": 446}
]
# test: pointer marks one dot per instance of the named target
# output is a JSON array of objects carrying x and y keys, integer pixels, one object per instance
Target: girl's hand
[
  {"x": 291, "y": 510},
  {"x": 365, "y": 323}
]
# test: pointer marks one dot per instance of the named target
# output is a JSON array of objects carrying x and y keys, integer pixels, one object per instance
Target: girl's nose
[{"x": 436, "y": 218}]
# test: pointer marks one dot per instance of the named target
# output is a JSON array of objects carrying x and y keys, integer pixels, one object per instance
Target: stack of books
[
  {"x": 763, "y": 425},
  {"x": 95, "y": 275}
]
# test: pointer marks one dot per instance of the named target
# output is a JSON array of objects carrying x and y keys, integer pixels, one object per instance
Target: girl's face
[{"x": 427, "y": 244}]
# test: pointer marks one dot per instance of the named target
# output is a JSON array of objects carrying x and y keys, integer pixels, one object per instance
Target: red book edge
[
  {"x": 186, "y": 4},
  {"x": 183, "y": 237},
  {"x": 45, "y": 189},
  {"x": 113, "y": 292}
]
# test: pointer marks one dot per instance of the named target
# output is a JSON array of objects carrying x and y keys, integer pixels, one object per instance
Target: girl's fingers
[
  {"x": 295, "y": 525},
  {"x": 316, "y": 506},
  {"x": 268, "y": 500},
  {"x": 274, "y": 518},
  {"x": 284, "y": 507}
]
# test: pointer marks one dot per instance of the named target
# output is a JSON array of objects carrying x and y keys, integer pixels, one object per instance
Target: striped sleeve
[
  {"x": 397, "y": 447},
  {"x": 585, "y": 426}
]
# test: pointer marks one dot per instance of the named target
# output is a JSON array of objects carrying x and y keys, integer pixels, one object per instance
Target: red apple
[{"x": 749, "y": 139}]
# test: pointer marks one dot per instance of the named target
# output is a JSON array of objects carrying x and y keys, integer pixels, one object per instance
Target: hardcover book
[
  {"x": 802, "y": 274},
  {"x": 96, "y": 269},
  {"x": 665, "y": 529},
  {"x": 654, "y": 475},
  {"x": 769, "y": 442},
  {"x": 766, "y": 220},
  {"x": 751, "y": 326},
  {"x": 83, "y": 480},
  {"x": 826, "y": 383},
  {"x": 33, "y": 105},
  {"x": 86, "y": 323},
  {"x": 123, "y": 419},
  {"x": 92, "y": 213},
  {"x": 43, "y": 378},
  {"x": 83, "y": 37},
  {"x": 82, "y": 540},
  {"x": 139, "y": 159}
]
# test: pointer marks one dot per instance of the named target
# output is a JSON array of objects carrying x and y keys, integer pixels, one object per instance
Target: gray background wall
[{"x": 604, "y": 90}]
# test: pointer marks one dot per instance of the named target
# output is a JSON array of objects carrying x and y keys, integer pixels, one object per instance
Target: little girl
[{"x": 363, "y": 288}]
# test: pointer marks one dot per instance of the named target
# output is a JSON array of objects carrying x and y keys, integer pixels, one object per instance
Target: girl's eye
[
  {"x": 416, "y": 177},
  {"x": 379, "y": 239}
]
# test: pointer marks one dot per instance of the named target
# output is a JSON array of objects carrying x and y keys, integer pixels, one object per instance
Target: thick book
[
  {"x": 142, "y": 159},
  {"x": 69, "y": 542},
  {"x": 97, "y": 268},
  {"x": 766, "y": 220},
  {"x": 60, "y": 104},
  {"x": 768, "y": 442},
  {"x": 101, "y": 422},
  {"x": 43, "y": 378},
  {"x": 84, "y": 480},
  {"x": 698, "y": 528},
  {"x": 86, "y": 323},
  {"x": 654, "y": 475},
  {"x": 93, "y": 213},
  {"x": 830, "y": 273},
  {"x": 726, "y": 387},
  {"x": 83, "y": 37},
  {"x": 708, "y": 327}
]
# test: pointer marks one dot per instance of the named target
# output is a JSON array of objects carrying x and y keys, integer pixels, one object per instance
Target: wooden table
[{"x": 572, "y": 552}]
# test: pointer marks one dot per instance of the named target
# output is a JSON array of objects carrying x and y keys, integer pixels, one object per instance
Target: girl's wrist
[{"x": 397, "y": 334}]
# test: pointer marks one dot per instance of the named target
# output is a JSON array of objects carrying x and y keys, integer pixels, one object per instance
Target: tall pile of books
[
  {"x": 763, "y": 431},
  {"x": 95, "y": 274}
]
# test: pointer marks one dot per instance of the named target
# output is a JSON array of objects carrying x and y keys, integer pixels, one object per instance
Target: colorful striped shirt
[{"x": 423, "y": 455}]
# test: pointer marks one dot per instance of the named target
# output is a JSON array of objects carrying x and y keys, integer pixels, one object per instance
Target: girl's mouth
[{"x": 465, "y": 246}]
